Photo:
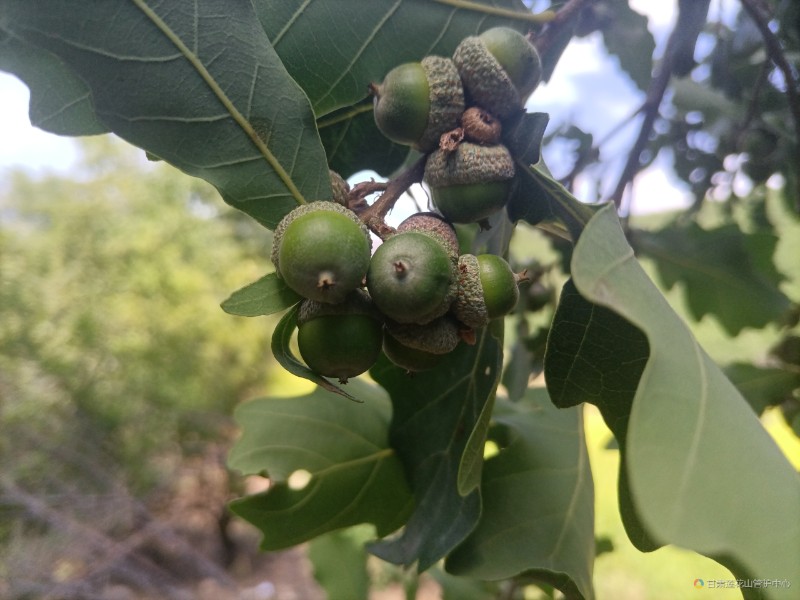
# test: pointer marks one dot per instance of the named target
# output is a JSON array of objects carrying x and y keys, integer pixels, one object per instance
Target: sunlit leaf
[
  {"x": 207, "y": 94},
  {"x": 267, "y": 296},
  {"x": 538, "y": 501},
  {"x": 342, "y": 448},
  {"x": 703, "y": 472}
]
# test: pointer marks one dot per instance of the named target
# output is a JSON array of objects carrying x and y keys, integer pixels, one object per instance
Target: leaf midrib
[{"x": 237, "y": 116}]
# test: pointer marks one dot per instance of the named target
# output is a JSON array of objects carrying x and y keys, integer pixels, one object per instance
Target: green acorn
[
  {"x": 499, "y": 68},
  {"x": 322, "y": 251},
  {"x": 470, "y": 183},
  {"x": 340, "y": 188},
  {"x": 411, "y": 278},
  {"x": 340, "y": 340},
  {"x": 487, "y": 289},
  {"x": 417, "y": 102}
]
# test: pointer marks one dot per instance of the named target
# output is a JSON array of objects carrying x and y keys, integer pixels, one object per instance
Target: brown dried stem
[{"x": 374, "y": 216}]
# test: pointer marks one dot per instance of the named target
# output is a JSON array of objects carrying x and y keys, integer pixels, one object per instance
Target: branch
[
  {"x": 681, "y": 37},
  {"x": 374, "y": 215},
  {"x": 761, "y": 16},
  {"x": 563, "y": 20}
]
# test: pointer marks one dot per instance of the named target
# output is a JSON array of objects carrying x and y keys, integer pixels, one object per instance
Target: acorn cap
[
  {"x": 357, "y": 302},
  {"x": 469, "y": 306},
  {"x": 446, "y": 94},
  {"x": 434, "y": 225},
  {"x": 486, "y": 82},
  {"x": 410, "y": 359},
  {"x": 469, "y": 163},
  {"x": 340, "y": 188},
  {"x": 440, "y": 336},
  {"x": 304, "y": 209}
]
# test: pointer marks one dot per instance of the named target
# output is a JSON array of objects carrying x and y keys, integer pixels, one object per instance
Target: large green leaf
[
  {"x": 59, "y": 100},
  {"x": 722, "y": 270},
  {"x": 538, "y": 501},
  {"x": 353, "y": 143},
  {"x": 438, "y": 429},
  {"x": 205, "y": 93},
  {"x": 355, "y": 477},
  {"x": 703, "y": 472}
]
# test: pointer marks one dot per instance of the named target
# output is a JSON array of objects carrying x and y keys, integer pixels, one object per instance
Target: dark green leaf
[
  {"x": 719, "y": 269},
  {"x": 538, "y": 501},
  {"x": 355, "y": 477},
  {"x": 594, "y": 355},
  {"x": 698, "y": 461},
  {"x": 205, "y": 93},
  {"x": 267, "y": 296},
  {"x": 60, "y": 102},
  {"x": 353, "y": 143},
  {"x": 340, "y": 564},
  {"x": 438, "y": 429},
  {"x": 281, "y": 337},
  {"x": 538, "y": 198},
  {"x": 524, "y": 137}
]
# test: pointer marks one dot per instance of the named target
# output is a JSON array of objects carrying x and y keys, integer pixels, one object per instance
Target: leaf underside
[{"x": 701, "y": 470}]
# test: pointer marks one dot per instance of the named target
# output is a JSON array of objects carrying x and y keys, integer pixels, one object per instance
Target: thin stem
[
  {"x": 374, "y": 216},
  {"x": 223, "y": 98},
  {"x": 760, "y": 15},
  {"x": 353, "y": 112},
  {"x": 543, "y": 17}
]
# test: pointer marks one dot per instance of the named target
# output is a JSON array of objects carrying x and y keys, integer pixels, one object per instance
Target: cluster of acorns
[
  {"x": 416, "y": 297},
  {"x": 454, "y": 110}
]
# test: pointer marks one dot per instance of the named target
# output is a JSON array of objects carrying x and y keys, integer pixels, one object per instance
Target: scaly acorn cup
[
  {"x": 412, "y": 278},
  {"x": 340, "y": 188},
  {"x": 470, "y": 183},
  {"x": 340, "y": 340},
  {"x": 499, "y": 68},
  {"x": 434, "y": 225},
  {"x": 487, "y": 289},
  {"x": 322, "y": 251},
  {"x": 420, "y": 347},
  {"x": 417, "y": 102}
]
